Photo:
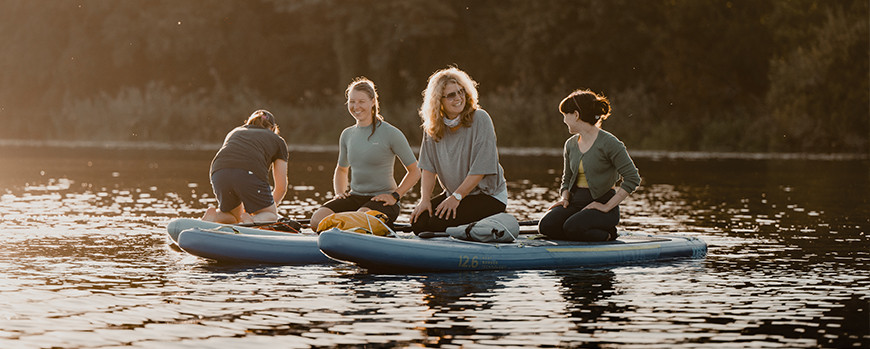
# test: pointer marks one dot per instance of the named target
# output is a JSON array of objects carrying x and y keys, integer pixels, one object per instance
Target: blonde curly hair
[{"x": 431, "y": 111}]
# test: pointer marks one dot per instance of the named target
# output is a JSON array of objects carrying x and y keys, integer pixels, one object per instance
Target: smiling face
[
  {"x": 360, "y": 105},
  {"x": 453, "y": 100}
]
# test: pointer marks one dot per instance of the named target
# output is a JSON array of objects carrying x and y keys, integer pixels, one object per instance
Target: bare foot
[
  {"x": 246, "y": 218},
  {"x": 210, "y": 215}
]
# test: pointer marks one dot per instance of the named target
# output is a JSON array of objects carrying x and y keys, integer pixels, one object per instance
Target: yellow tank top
[{"x": 581, "y": 177}]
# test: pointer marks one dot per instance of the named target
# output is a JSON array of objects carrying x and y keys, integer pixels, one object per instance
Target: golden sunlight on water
[{"x": 88, "y": 265}]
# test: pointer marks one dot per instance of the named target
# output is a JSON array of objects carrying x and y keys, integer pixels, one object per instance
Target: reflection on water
[{"x": 87, "y": 264}]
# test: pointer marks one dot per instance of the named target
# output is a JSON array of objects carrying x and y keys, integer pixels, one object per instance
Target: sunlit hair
[
  {"x": 591, "y": 107},
  {"x": 263, "y": 118},
  {"x": 432, "y": 111},
  {"x": 365, "y": 85}
]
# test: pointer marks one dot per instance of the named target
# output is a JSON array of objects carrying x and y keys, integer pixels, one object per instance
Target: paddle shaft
[
  {"x": 304, "y": 222},
  {"x": 405, "y": 227}
]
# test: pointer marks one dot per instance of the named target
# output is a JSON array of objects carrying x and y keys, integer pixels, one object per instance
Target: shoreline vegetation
[
  {"x": 504, "y": 151},
  {"x": 735, "y": 76}
]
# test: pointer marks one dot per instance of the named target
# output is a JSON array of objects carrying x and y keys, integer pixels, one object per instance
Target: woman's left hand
[
  {"x": 447, "y": 208},
  {"x": 387, "y": 199},
  {"x": 595, "y": 205}
]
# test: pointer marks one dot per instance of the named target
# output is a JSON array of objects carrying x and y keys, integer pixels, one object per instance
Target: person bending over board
[
  {"x": 594, "y": 162},
  {"x": 367, "y": 152},
  {"x": 239, "y": 172},
  {"x": 459, "y": 151}
]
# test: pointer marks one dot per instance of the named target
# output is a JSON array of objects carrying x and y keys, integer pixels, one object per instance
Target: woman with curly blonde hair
[{"x": 459, "y": 151}]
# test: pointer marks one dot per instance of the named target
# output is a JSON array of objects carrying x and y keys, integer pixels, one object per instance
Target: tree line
[{"x": 709, "y": 75}]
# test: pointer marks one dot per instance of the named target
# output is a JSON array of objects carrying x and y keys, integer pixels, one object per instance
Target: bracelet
[{"x": 396, "y": 195}]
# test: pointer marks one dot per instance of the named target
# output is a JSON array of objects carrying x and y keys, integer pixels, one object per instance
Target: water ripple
[{"x": 88, "y": 266}]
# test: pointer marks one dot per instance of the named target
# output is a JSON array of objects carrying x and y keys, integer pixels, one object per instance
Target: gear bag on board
[{"x": 500, "y": 227}]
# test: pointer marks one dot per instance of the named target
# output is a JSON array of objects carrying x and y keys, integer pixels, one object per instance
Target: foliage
[
  {"x": 723, "y": 75},
  {"x": 819, "y": 88}
]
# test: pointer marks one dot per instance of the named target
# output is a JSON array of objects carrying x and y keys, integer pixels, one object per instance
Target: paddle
[
  {"x": 283, "y": 224},
  {"x": 404, "y": 227},
  {"x": 280, "y": 220},
  {"x": 432, "y": 234}
]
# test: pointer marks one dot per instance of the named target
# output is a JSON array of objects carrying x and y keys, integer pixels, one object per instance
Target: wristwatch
[
  {"x": 396, "y": 195},
  {"x": 457, "y": 196}
]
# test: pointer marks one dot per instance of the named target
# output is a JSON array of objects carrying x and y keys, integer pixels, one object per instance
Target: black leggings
[
  {"x": 576, "y": 224},
  {"x": 354, "y": 202},
  {"x": 471, "y": 209}
]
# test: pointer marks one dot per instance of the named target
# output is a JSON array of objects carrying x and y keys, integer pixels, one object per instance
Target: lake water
[{"x": 86, "y": 263}]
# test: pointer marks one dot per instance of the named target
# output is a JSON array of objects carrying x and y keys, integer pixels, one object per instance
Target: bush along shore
[{"x": 742, "y": 76}]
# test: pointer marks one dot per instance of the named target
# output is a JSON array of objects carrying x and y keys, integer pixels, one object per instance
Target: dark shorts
[
  {"x": 354, "y": 202},
  {"x": 233, "y": 187}
]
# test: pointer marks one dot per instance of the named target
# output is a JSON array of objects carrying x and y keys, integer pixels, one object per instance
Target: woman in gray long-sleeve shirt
[
  {"x": 459, "y": 150},
  {"x": 595, "y": 161}
]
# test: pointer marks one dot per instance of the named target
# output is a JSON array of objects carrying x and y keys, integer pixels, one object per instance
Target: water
[{"x": 86, "y": 263}]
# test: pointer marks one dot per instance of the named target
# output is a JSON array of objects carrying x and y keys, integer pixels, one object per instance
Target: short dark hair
[{"x": 591, "y": 106}]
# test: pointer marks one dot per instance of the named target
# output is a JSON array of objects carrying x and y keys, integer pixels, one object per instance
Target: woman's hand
[
  {"x": 387, "y": 199},
  {"x": 341, "y": 195},
  {"x": 424, "y": 206},
  {"x": 447, "y": 208},
  {"x": 562, "y": 202},
  {"x": 617, "y": 198},
  {"x": 595, "y": 205}
]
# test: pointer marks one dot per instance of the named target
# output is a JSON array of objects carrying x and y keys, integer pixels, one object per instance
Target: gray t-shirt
[
  {"x": 466, "y": 151},
  {"x": 371, "y": 160},
  {"x": 250, "y": 148}
]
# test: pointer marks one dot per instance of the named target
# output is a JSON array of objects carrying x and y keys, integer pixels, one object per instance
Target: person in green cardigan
[{"x": 595, "y": 161}]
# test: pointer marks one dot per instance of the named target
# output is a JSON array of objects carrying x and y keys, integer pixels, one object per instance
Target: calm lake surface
[{"x": 86, "y": 263}]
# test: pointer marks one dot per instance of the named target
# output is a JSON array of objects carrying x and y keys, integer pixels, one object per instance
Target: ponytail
[{"x": 263, "y": 118}]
